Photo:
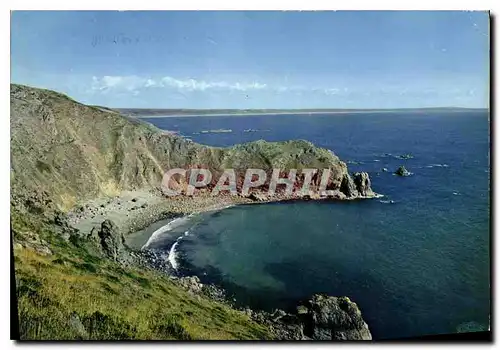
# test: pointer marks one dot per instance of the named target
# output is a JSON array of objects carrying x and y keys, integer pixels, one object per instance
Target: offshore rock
[{"x": 402, "y": 171}]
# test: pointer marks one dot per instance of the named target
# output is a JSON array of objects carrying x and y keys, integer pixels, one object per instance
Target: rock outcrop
[
  {"x": 191, "y": 283},
  {"x": 357, "y": 186},
  {"x": 333, "y": 318},
  {"x": 320, "y": 318},
  {"x": 363, "y": 184},
  {"x": 71, "y": 153},
  {"x": 401, "y": 171},
  {"x": 111, "y": 240},
  {"x": 348, "y": 187},
  {"x": 64, "y": 152}
]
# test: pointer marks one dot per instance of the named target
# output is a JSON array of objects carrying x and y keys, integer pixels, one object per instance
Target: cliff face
[
  {"x": 75, "y": 152},
  {"x": 64, "y": 152}
]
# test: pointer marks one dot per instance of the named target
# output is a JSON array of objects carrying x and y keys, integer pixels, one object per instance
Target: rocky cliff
[
  {"x": 88, "y": 285},
  {"x": 75, "y": 152}
]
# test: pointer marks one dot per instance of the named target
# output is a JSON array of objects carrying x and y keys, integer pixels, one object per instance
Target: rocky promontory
[{"x": 84, "y": 177}]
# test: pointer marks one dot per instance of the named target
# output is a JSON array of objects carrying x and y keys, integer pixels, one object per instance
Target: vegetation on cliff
[
  {"x": 74, "y": 285},
  {"x": 66, "y": 290},
  {"x": 76, "y": 152}
]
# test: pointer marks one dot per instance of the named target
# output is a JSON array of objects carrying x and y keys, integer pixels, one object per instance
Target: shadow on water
[
  {"x": 386, "y": 313},
  {"x": 301, "y": 282}
]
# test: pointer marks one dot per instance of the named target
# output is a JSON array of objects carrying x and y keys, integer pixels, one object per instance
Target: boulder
[
  {"x": 333, "y": 318},
  {"x": 111, "y": 240},
  {"x": 77, "y": 326},
  {"x": 191, "y": 283},
  {"x": 62, "y": 226}
]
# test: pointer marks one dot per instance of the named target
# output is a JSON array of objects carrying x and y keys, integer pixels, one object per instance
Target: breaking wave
[
  {"x": 172, "y": 253},
  {"x": 168, "y": 227}
]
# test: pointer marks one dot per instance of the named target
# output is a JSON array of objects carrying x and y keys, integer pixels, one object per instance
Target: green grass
[{"x": 110, "y": 301}]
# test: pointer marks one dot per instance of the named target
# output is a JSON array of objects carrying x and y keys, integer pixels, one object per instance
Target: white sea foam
[
  {"x": 437, "y": 166},
  {"x": 168, "y": 227},
  {"x": 172, "y": 255},
  {"x": 375, "y": 195}
]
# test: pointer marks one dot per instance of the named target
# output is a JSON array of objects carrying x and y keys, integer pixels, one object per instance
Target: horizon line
[
  {"x": 304, "y": 109},
  {"x": 281, "y": 109}
]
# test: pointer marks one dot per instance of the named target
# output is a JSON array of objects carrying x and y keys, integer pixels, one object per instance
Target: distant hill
[{"x": 151, "y": 112}]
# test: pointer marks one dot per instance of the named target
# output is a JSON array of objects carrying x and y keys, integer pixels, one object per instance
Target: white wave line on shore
[
  {"x": 168, "y": 227},
  {"x": 375, "y": 195},
  {"x": 172, "y": 255},
  {"x": 177, "y": 222}
]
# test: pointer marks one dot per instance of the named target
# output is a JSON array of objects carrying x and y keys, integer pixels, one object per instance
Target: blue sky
[{"x": 369, "y": 59}]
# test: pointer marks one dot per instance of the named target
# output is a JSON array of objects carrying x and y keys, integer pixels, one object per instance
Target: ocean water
[{"x": 415, "y": 266}]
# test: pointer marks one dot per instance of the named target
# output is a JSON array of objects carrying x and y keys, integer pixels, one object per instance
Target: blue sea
[{"x": 417, "y": 261}]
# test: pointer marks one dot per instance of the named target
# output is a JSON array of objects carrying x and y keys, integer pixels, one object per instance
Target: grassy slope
[
  {"x": 75, "y": 152},
  {"x": 112, "y": 302}
]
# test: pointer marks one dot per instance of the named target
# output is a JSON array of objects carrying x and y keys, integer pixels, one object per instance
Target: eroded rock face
[
  {"x": 333, "y": 318},
  {"x": 363, "y": 184},
  {"x": 348, "y": 187},
  {"x": 359, "y": 186},
  {"x": 320, "y": 318},
  {"x": 70, "y": 167}
]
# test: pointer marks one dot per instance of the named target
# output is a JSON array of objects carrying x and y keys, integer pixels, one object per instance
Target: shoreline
[
  {"x": 278, "y": 320},
  {"x": 171, "y": 209},
  {"x": 135, "y": 211}
]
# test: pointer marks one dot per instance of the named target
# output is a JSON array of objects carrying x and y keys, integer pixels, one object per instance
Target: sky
[{"x": 219, "y": 59}]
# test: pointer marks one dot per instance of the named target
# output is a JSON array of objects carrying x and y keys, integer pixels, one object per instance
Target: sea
[{"x": 416, "y": 261}]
